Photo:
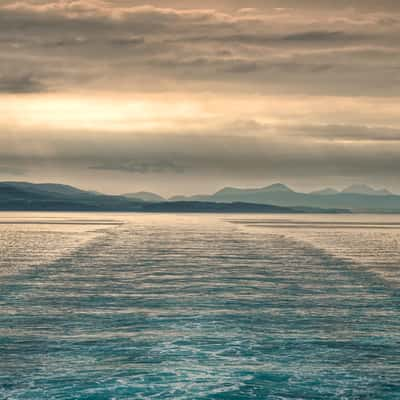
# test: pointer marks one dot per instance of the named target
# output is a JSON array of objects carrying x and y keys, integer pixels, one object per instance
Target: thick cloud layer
[
  {"x": 254, "y": 90},
  {"x": 100, "y": 44}
]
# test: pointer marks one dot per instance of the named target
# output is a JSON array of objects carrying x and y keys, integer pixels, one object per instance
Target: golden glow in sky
[{"x": 173, "y": 98}]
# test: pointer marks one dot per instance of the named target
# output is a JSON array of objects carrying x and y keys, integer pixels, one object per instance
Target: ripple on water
[{"x": 195, "y": 307}]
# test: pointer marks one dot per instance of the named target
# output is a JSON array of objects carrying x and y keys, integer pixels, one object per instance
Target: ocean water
[{"x": 153, "y": 306}]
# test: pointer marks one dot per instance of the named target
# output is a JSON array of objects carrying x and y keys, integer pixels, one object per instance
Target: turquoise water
[{"x": 107, "y": 306}]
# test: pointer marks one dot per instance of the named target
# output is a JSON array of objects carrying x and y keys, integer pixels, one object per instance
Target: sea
[{"x": 199, "y": 306}]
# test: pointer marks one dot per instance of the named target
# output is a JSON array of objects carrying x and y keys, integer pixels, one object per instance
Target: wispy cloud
[{"x": 141, "y": 167}]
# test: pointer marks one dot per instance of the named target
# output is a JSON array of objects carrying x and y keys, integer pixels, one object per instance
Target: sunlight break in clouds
[{"x": 230, "y": 93}]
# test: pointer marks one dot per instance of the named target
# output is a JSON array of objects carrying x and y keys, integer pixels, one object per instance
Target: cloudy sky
[{"x": 189, "y": 96}]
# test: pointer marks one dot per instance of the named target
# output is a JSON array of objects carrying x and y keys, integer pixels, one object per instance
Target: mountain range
[
  {"x": 274, "y": 198},
  {"x": 52, "y": 196},
  {"x": 26, "y": 196},
  {"x": 357, "y": 197}
]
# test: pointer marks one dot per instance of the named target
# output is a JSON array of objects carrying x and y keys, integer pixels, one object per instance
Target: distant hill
[
  {"x": 49, "y": 197},
  {"x": 145, "y": 196},
  {"x": 325, "y": 192},
  {"x": 231, "y": 192},
  {"x": 365, "y": 189},
  {"x": 234, "y": 207},
  {"x": 25, "y": 196},
  {"x": 46, "y": 188},
  {"x": 197, "y": 197},
  {"x": 52, "y": 196},
  {"x": 275, "y": 188},
  {"x": 358, "y": 198}
]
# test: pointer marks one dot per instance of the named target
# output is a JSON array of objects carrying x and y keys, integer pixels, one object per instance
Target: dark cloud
[
  {"x": 127, "y": 41},
  {"x": 362, "y": 5},
  {"x": 125, "y": 44},
  {"x": 351, "y": 133},
  {"x": 318, "y": 36},
  {"x": 141, "y": 166},
  {"x": 307, "y": 38},
  {"x": 21, "y": 84},
  {"x": 282, "y": 152}
]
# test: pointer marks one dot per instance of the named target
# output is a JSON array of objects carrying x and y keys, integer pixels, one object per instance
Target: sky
[{"x": 184, "y": 96}]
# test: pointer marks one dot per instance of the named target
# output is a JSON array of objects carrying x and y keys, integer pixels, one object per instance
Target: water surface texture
[{"x": 134, "y": 306}]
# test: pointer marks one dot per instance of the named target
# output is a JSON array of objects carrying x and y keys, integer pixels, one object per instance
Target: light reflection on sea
[{"x": 158, "y": 306}]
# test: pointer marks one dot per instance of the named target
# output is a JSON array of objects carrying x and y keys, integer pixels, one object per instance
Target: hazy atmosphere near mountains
[{"x": 185, "y": 97}]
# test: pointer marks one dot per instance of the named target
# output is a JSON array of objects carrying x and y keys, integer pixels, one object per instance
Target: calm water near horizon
[{"x": 163, "y": 306}]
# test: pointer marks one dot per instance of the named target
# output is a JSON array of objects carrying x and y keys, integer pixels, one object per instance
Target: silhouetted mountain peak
[
  {"x": 325, "y": 192},
  {"x": 277, "y": 187},
  {"x": 365, "y": 189},
  {"x": 55, "y": 188},
  {"x": 227, "y": 189},
  {"x": 145, "y": 196}
]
